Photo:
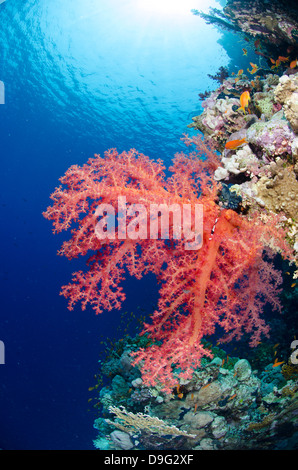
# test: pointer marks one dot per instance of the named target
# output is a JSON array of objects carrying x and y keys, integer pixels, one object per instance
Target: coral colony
[
  {"x": 170, "y": 387},
  {"x": 226, "y": 282}
]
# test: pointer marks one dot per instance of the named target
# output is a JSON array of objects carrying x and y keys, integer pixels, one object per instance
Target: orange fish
[
  {"x": 244, "y": 100},
  {"x": 233, "y": 396},
  {"x": 293, "y": 64},
  {"x": 240, "y": 72},
  {"x": 283, "y": 59},
  {"x": 254, "y": 66},
  {"x": 180, "y": 395},
  {"x": 234, "y": 144},
  {"x": 253, "y": 70},
  {"x": 278, "y": 363},
  {"x": 272, "y": 61},
  {"x": 294, "y": 284},
  {"x": 277, "y": 63},
  {"x": 205, "y": 386},
  {"x": 196, "y": 406}
]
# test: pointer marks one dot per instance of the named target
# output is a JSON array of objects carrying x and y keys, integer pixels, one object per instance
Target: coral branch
[{"x": 226, "y": 282}]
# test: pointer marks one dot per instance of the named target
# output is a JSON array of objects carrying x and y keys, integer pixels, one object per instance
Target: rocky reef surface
[
  {"x": 262, "y": 166},
  {"x": 230, "y": 402},
  {"x": 225, "y": 405}
]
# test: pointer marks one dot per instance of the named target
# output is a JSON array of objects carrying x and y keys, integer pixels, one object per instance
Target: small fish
[
  {"x": 294, "y": 284},
  {"x": 254, "y": 66},
  {"x": 275, "y": 346},
  {"x": 191, "y": 396},
  {"x": 223, "y": 361},
  {"x": 272, "y": 60},
  {"x": 234, "y": 144},
  {"x": 293, "y": 64},
  {"x": 233, "y": 396},
  {"x": 246, "y": 39},
  {"x": 277, "y": 63},
  {"x": 90, "y": 389},
  {"x": 252, "y": 83},
  {"x": 278, "y": 363},
  {"x": 240, "y": 72},
  {"x": 233, "y": 73},
  {"x": 260, "y": 53},
  {"x": 257, "y": 43},
  {"x": 205, "y": 386},
  {"x": 180, "y": 395},
  {"x": 252, "y": 71},
  {"x": 283, "y": 59},
  {"x": 196, "y": 406},
  {"x": 244, "y": 100},
  {"x": 244, "y": 51}
]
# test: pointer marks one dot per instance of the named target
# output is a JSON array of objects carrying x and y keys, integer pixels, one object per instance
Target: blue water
[{"x": 80, "y": 76}]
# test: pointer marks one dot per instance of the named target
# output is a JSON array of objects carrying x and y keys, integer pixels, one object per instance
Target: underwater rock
[
  {"x": 243, "y": 161},
  {"x": 271, "y": 138},
  {"x": 242, "y": 370},
  {"x": 279, "y": 193},
  {"x": 267, "y": 20},
  {"x": 121, "y": 440},
  {"x": 198, "y": 420},
  {"x": 286, "y": 93},
  {"x": 219, "y": 427},
  {"x": 206, "y": 444},
  {"x": 225, "y": 405}
]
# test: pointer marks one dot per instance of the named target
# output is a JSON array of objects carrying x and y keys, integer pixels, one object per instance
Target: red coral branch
[{"x": 227, "y": 282}]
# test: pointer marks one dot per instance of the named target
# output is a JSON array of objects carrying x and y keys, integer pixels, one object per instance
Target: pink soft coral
[{"x": 226, "y": 282}]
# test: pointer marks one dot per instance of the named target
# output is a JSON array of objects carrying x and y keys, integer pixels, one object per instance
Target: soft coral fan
[{"x": 226, "y": 282}]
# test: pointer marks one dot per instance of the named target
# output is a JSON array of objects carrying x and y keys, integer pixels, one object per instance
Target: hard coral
[{"x": 286, "y": 94}]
